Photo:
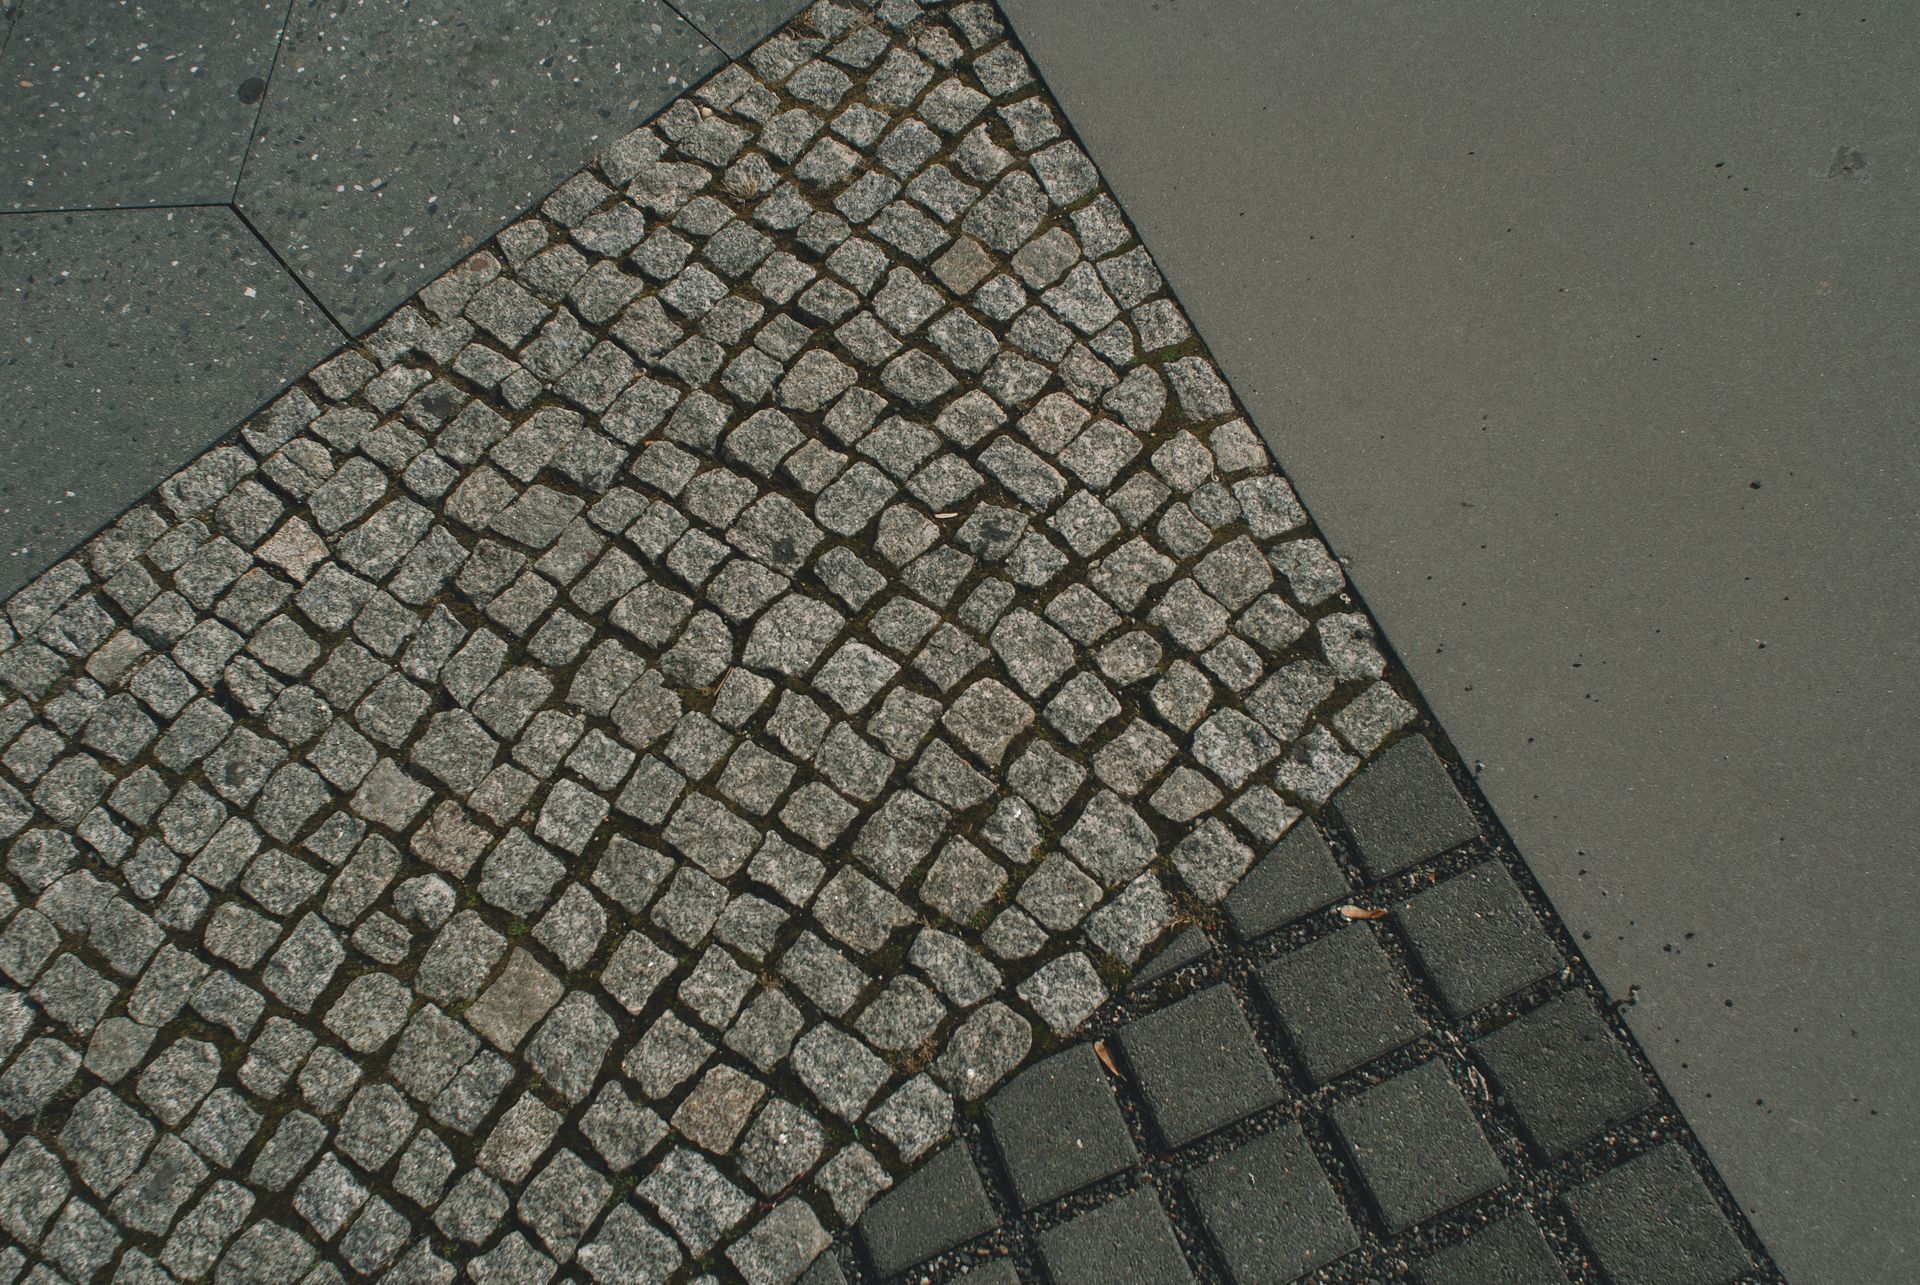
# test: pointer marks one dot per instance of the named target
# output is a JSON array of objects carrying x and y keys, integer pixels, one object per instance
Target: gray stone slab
[
  {"x": 1403, "y": 808},
  {"x": 1341, "y": 1002},
  {"x": 131, "y": 104},
  {"x": 738, "y": 25},
  {"x": 1509, "y": 1252},
  {"x": 1477, "y": 938},
  {"x": 1269, "y": 1209},
  {"x": 1417, "y": 1146},
  {"x": 1526, "y": 305},
  {"x": 1652, "y": 1222},
  {"x": 129, "y": 342},
  {"x": 1564, "y": 1073},
  {"x": 1198, "y": 1065},
  {"x": 942, "y": 1205},
  {"x": 1127, "y": 1239},
  {"x": 392, "y": 139},
  {"x": 1058, "y": 1127},
  {"x": 1297, "y": 877}
]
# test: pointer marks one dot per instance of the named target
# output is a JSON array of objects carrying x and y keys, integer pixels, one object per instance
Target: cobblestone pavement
[
  {"x": 609, "y": 774},
  {"x": 1378, "y": 1059}
]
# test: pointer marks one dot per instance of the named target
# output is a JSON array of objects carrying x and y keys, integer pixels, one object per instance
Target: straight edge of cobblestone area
[
  {"x": 352, "y": 340},
  {"x": 1014, "y": 1238}
]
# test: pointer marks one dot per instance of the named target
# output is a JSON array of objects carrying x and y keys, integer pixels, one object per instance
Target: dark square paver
[
  {"x": 1298, "y": 877},
  {"x": 367, "y": 203},
  {"x": 1418, "y": 1147},
  {"x": 1198, "y": 1065},
  {"x": 1058, "y": 1127},
  {"x": 1341, "y": 1001},
  {"x": 1564, "y": 1073},
  {"x": 940, "y": 1206},
  {"x": 1188, "y": 945},
  {"x": 1477, "y": 938},
  {"x": 1510, "y": 1252},
  {"x": 1403, "y": 808},
  {"x": 996, "y": 1271},
  {"x": 1653, "y": 1222},
  {"x": 1269, "y": 1209},
  {"x": 825, "y": 1271},
  {"x": 131, "y": 104},
  {"x": 1128, "y": 1239}
]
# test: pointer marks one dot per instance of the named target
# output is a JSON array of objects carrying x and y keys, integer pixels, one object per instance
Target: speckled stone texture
[{"x": 606, "y": 773}]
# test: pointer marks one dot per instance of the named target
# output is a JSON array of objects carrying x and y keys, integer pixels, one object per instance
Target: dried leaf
[
  {"x": 1362, "y": 912},
  {"x": 1106, "y": 1059}
]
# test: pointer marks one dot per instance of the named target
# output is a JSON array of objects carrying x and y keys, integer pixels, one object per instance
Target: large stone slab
[
  {"x": 129, "y": 341},
  {"x": 738, "y": 25},
  {"x": 391, "y": 134},
  {"x": 130, "y": 104}
]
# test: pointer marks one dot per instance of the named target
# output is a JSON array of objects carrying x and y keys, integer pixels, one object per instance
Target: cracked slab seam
[{"x": 608, "y": 772}]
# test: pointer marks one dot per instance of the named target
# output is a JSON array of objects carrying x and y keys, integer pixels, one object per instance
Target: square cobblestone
[
  {"x": 1509, "y": 1252},
  {"x": 1653, "y": 1222},
  {"x": 1477, "y": 938},
  {"x": 1268, "y": 1207},
  {"x": 1417, "y": 1146},
  {"x": 1341, "y": 1001},
  {"x": 1564, "y": 1073},
  {"x": 1129, "y": 1238},
  {"x": 1403, "y": 808},
  {"x": 1199, "y": 1066},
  {"x": 1058, "y": 1127},
  {"x": 941, "y": 1206}
]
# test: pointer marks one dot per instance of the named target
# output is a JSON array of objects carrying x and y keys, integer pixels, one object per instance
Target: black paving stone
[
  {"x": 1198, "y": 1065},
  {"x": 738, "y": 25},
  {"x": 1417, "y": 1146},
  {"x": 825, "y": 1271},
  {"x": 1128, "y": 1239},
  {"x": 1564, "y": 1073},
  {"x": 360, "y": 175},
  {"x": 1190, "y": 944},
  {"x": 1058, "y": 1127},
  {"x": 1653, "y": 1222},
  {"x": 1510, "y": 1252},
  {"x": 1298, "y": 877},
  {"x": 129, "y": 343},
  {"x": 1477, "y": 938},
  {"x": 1341, "y": 1001},
  {"x": 1269, "y": 1209},
  {"x": 940, "y": 1206},
  {"x": 131, "y": 104},
  {"x": 1403, "y": 808}
]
